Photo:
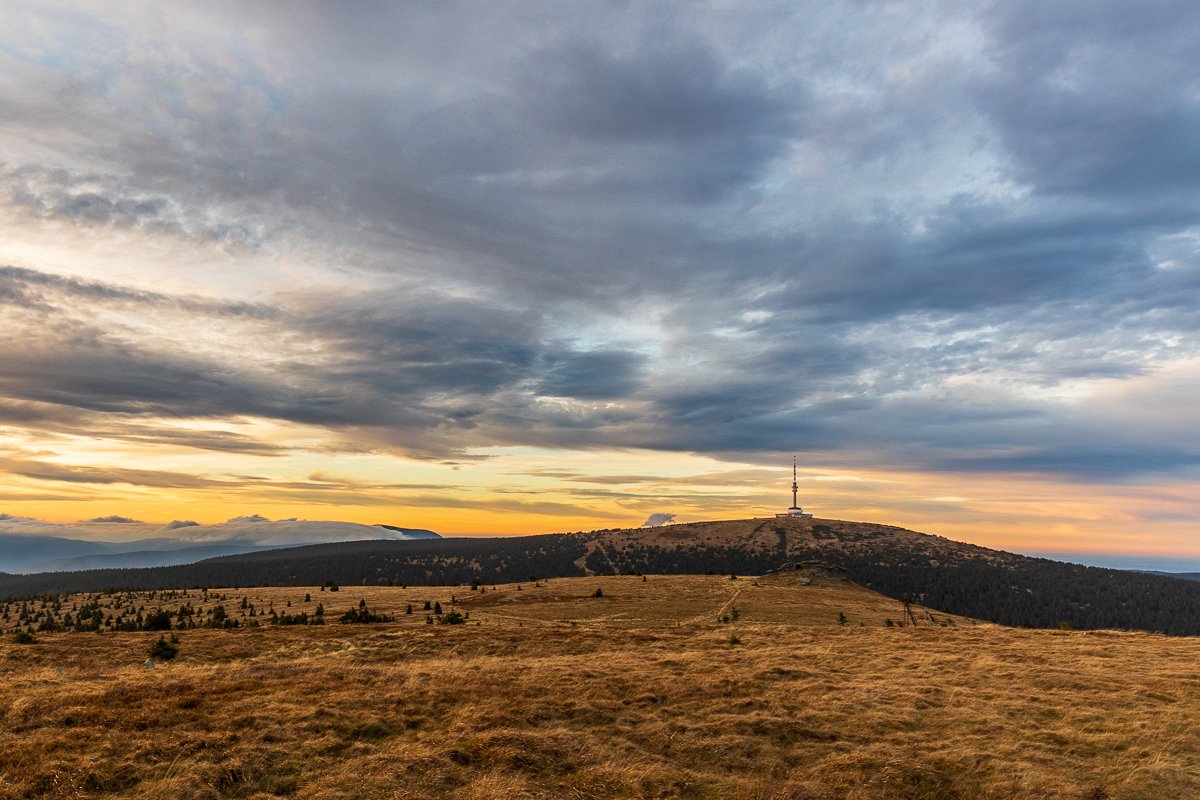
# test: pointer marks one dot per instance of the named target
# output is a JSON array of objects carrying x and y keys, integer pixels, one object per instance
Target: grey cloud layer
[{"x": 875, "y": 236}]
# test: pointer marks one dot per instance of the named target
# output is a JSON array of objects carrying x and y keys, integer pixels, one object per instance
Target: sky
[{"x": 530, "y": 267}]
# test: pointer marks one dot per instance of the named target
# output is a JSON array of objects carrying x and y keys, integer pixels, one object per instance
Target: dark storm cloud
[
  {"x": 662, "y": 93},
  {"x": 61, "y": 473},
  {"x": 1094, "y": 98},
  {"x": 74, "y": 420},
  {"x": 603, "y": 375},
  {"x": 739, "y": 232},
  {"x": 412, "y": 369},
  {"x": 1102, "y": 462},
  {"x": 705, "y": 126}
]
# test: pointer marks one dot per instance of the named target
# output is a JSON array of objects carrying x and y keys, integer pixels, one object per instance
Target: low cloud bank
[
  {"x": 251, "y": 530},
  {"x": 259, "y": 530}
]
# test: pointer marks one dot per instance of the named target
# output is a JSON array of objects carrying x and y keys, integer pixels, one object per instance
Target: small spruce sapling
[{"x": 162, "y": 650}]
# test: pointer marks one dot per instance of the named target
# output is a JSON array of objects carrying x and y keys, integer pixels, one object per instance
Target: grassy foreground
[{"x": 552, "y": 692}]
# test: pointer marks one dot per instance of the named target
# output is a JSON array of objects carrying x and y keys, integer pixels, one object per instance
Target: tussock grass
[{"x": 636, "y": 694}]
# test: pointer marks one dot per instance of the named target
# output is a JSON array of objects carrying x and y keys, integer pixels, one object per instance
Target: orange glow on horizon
[{"x": 519, "y": 491}]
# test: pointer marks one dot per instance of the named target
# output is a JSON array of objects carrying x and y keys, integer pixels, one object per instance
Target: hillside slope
[
  {"x": 550, "y": 691},
  {"x": 952, "y": 576}
]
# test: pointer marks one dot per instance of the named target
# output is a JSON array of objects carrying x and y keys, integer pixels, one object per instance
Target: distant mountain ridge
[
  {"x": 955, "y": 577},
  {"x": 188, "y": 542},
  {"x": 18, "y": 551},
  {"x": 1187, "y": 576},
  {"x": 143, "y": 558}
]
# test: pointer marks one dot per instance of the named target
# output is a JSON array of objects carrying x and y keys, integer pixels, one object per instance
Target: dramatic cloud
[{"x": 944, "y": 237}]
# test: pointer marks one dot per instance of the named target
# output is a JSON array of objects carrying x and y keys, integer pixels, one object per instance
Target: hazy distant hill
[
  {"x": 1187, "y": 576},
  {"x": 142, "y": 558},
  {"x": 27, "y": 553},
  {"x": 19, "y": 551},
  {"x": 952, "y": 576}
]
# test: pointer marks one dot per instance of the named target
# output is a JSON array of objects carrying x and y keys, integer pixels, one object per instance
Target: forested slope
[{"x": 952, "y": 576}]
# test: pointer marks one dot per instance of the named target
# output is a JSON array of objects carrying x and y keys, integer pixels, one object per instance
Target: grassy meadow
[{"x": 645, "y": 691}]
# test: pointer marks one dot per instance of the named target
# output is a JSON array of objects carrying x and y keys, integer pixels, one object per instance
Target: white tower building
[{"x": 795, "y": 510}]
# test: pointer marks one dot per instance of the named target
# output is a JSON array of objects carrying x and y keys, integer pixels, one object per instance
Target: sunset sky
[{"x": 532, "y": 267}]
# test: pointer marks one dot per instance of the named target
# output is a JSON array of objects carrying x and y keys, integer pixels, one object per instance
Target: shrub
[
  {"x": 157, "y": 620},
  {"x": 453, "y": 618},
  {"x": 364, "y": 615},
  {"x": 162, "y": 650},
  {"x": 24, "y": 637},
  {"x": 598, "y": 593}
]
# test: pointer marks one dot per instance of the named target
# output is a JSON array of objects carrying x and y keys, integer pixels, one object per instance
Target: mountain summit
[{"x": 950, "y": 576}]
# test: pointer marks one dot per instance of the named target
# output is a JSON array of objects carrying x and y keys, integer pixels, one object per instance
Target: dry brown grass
[{"x": 640, "y": 693}]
